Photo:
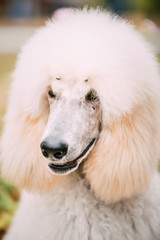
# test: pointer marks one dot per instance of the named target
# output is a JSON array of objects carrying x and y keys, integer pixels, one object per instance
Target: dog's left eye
[
  {"x": 51, "y": 94},
  {"x": 91, "y": 96}
]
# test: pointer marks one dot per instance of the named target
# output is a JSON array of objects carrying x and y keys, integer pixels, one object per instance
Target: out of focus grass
[
  {"x": 8, "y": 194},
  {"x": 8, "y": 203}
]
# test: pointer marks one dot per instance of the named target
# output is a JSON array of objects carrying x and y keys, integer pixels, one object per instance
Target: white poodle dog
[{"x": 82, "y": 130}]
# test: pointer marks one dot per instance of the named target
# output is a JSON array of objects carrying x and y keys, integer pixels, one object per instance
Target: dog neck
[{"x": 81, "y": 174}]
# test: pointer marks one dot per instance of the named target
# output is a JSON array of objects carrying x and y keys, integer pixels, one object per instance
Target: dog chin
[{"x": 71, "y": 166}]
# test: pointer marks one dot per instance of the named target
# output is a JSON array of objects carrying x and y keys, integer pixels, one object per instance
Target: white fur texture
[
  {"x": 72, "y": 212},
  {"x": 120, "y": 196}
]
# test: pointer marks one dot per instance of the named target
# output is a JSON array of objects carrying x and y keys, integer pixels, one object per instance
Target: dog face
[
  {"x": 64, "y": 116},
  {"x": 73, "y": 125}
]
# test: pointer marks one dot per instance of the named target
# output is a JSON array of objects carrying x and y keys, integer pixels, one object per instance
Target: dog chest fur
[{"x": 72, "y": 212}]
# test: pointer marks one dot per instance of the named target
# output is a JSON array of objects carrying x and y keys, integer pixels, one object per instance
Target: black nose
[{"x": 54, "y": 148}]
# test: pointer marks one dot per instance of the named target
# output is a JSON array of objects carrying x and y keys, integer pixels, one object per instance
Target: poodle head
[
  {"x": 85, "y": 88},
  {"x": 73, "y": 125}
]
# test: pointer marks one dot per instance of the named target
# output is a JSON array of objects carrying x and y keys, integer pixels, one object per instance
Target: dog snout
[{"x": 54, "y": 148}]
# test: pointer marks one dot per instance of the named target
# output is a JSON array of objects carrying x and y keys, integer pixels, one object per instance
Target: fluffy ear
[
  {"x": 125, "y": 157},
  {"x": 22, "y": 161}
]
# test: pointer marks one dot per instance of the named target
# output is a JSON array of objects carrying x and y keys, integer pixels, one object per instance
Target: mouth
[{"x": 71, "y": 166}]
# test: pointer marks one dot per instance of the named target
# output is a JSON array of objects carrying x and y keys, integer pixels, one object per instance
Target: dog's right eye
[{"x": 51, "y": 94}]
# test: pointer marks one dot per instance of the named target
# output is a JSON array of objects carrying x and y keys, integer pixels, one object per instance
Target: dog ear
[
  {"x": 125, "y": 157},
  {"x": 22, "y": 161}
]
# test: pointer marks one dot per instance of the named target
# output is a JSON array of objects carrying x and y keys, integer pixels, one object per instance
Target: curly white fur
[
  {"x": 120, "y": 195},
  {"x": 72, "y": 212}
]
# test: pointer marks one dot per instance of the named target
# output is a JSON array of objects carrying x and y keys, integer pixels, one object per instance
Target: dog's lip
[
  {"x": 71, "y": 165},
  {"x": 66, "y": 166}
]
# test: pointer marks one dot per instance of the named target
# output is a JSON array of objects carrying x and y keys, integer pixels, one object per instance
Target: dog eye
[
  {"x": 91, "y": 96},
  {"x": 51, "y": 94}
]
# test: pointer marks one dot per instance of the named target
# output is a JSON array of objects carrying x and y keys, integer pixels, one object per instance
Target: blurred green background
[{"x": 19, "y": 19}]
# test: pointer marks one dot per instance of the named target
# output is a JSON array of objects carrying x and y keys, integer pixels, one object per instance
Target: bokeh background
[{"x": 20, "y": 18}]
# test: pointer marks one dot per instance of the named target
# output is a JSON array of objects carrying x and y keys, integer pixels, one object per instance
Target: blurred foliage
[
  {"x": 9, "y": 197},
  {"x": 146, "y": 6},
  {"x": 8, "y": 194}
]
